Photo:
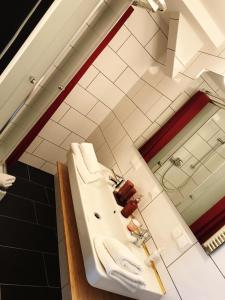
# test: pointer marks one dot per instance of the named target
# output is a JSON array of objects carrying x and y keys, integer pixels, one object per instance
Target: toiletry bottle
[
  {"x": 125, "y": 198},
  {"x": 129, "y": 208},
  {"x": 120, "y": 194}
]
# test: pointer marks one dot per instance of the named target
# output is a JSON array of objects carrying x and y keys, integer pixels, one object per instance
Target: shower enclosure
[{"x": 194, "y": 175}]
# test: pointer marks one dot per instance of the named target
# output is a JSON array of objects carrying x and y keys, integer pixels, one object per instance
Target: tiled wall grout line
[{"x": 45, "y": 268}]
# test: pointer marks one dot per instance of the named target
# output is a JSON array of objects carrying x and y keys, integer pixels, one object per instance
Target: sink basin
[{"x": 97, "y": 213}]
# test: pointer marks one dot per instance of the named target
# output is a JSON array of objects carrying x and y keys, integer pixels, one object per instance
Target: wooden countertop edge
[{"x": 80, "y": 288}]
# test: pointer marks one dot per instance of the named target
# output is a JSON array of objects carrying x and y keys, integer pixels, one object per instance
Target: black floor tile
[
  {"x": 30, "y": 293},
  {"x": 27, "y": 235},
  {"x": 41, "y": 177},
  {"x": 50, "y": 196},
  {"x": 46, "y": 215},
  {"x": 52, "y": 269},
  {"x": 19, "y": 208},
  {"x": 29, "y": 190},
  {"x": 19, "y": 170},
  {"x": 21, "y": 267}
]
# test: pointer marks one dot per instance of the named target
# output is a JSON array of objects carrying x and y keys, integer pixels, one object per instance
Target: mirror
[{"x": 187, "y": 155}]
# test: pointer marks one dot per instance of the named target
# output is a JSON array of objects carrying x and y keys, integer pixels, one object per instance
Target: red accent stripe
[
  {"x": 14, "y": 156},
  {"x": 181, "y": 118},
  {"x": 210, "y": 222}
]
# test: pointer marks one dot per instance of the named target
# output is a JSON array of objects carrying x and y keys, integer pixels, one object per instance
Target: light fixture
[{"x": 152, "y": 5}]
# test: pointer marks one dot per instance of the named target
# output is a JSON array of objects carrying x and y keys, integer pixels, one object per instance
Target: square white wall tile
[
  {"x": 123, "y": 154},
  {"x": 127, "y": 80},
  {"x": 50, "y": 152},
  {"x": 196, "y": 276},
  {"x": 201, "y": 175},
  {"x": 165, "y": 116},
  {"x": 197, "y": 146},
  {"x": 114, "y": 132},
  {"x": 105, "y": 156},
  {"x": 78, "y": 123},
  {"x": 158, "y": 107},
  {"x": 173, "y": 87},
  {"x": 138, "y": 59},
  {"x": 98, "y": 113},
  {"x": 151, "y": 130},
  {"x": 49, "y": 168},
  {"x": 96, "y": 138},
  {"x": 88, "y": 77},
  {"x": 118, "y": 40},
  {"x": 179, "y": 101},
  {"x": 176, "y": 176},
  {"x": 63, "y": 108},
  {"x": 81, "y": 100},
  {"x": 54, "y": 132},
  {"x": 110, "y": 64},
  {"x": 135, "y": 88},
  {"x": 108, "y": 119},
  {"x": 136, "y": 124},
  {"x": 141, "y": 25},
  {"x": 162, "y": 218},
  {"x": 146, "y": 97},
  {"x": 219, "y": 119},
  {"x": 214, "y": 162},
  {"x": 218, "y": 257},
  {"x": 72, "y": 138},
  {"x": 124, "y": 108},
  {"x": 31, "y": 160},
  {"x": 34, "y": 144},
  {"x": 154, "y": 74},
  {"x": 208, "y": 130},
  {"x": 106, "y": 91},
  {"x": 157, "y": 47}
]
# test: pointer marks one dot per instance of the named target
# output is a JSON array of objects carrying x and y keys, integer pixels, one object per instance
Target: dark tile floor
[{"x": 28, "y": 237}]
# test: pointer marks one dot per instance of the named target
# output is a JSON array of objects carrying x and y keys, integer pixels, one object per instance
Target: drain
[{"x": 97, "y": 216}]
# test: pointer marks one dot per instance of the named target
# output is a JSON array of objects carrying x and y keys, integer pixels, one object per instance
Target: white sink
[{"x": 97, "y": 213}]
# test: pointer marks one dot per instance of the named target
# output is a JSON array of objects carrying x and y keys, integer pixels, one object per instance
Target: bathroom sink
[{"x": 97, "y": 213}]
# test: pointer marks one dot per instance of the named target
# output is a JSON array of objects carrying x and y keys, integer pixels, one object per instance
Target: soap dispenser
[{"x": 129, "y": 208}]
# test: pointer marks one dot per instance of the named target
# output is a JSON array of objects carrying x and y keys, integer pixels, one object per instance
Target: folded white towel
[
  {"x": 129, "y": 280},
  {"x": 122, "y": 255},
  {"x": 89, "y": 156},
  {"x": 86, "y": 176}
]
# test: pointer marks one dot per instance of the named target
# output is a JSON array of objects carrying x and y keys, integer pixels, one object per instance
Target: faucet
[
  {"x": 117, "y": 179},
  {"x": 142, "y": 236}
]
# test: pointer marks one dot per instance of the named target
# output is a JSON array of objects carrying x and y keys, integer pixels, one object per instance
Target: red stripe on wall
[
  {"x": 181, "y": 118},
  {"x": 210, "y": 222},
  {"x": 26, "y": 141}
]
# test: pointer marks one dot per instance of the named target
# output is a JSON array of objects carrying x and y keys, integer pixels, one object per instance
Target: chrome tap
[
  {"x": 142, "y": 236},
  {"x": 117, "y": 179}
]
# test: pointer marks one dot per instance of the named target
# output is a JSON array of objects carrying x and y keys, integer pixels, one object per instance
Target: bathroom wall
[
  {"x": 28, "y": 239},
  {"x": 187, "y": 272}
]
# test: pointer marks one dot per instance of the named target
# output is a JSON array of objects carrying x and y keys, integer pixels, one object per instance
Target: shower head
[{"x": 152, "y": 5}]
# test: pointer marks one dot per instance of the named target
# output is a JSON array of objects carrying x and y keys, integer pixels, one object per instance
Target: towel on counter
[
  {"x": 86, "y": 176},
  {"x": 89, "y": 157},
  {"x": 129, "y": 280},
  {"x": 122, "y": 255}
]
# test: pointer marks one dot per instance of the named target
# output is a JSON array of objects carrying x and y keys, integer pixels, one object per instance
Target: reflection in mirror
[{"x": 187, "y": 156}]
